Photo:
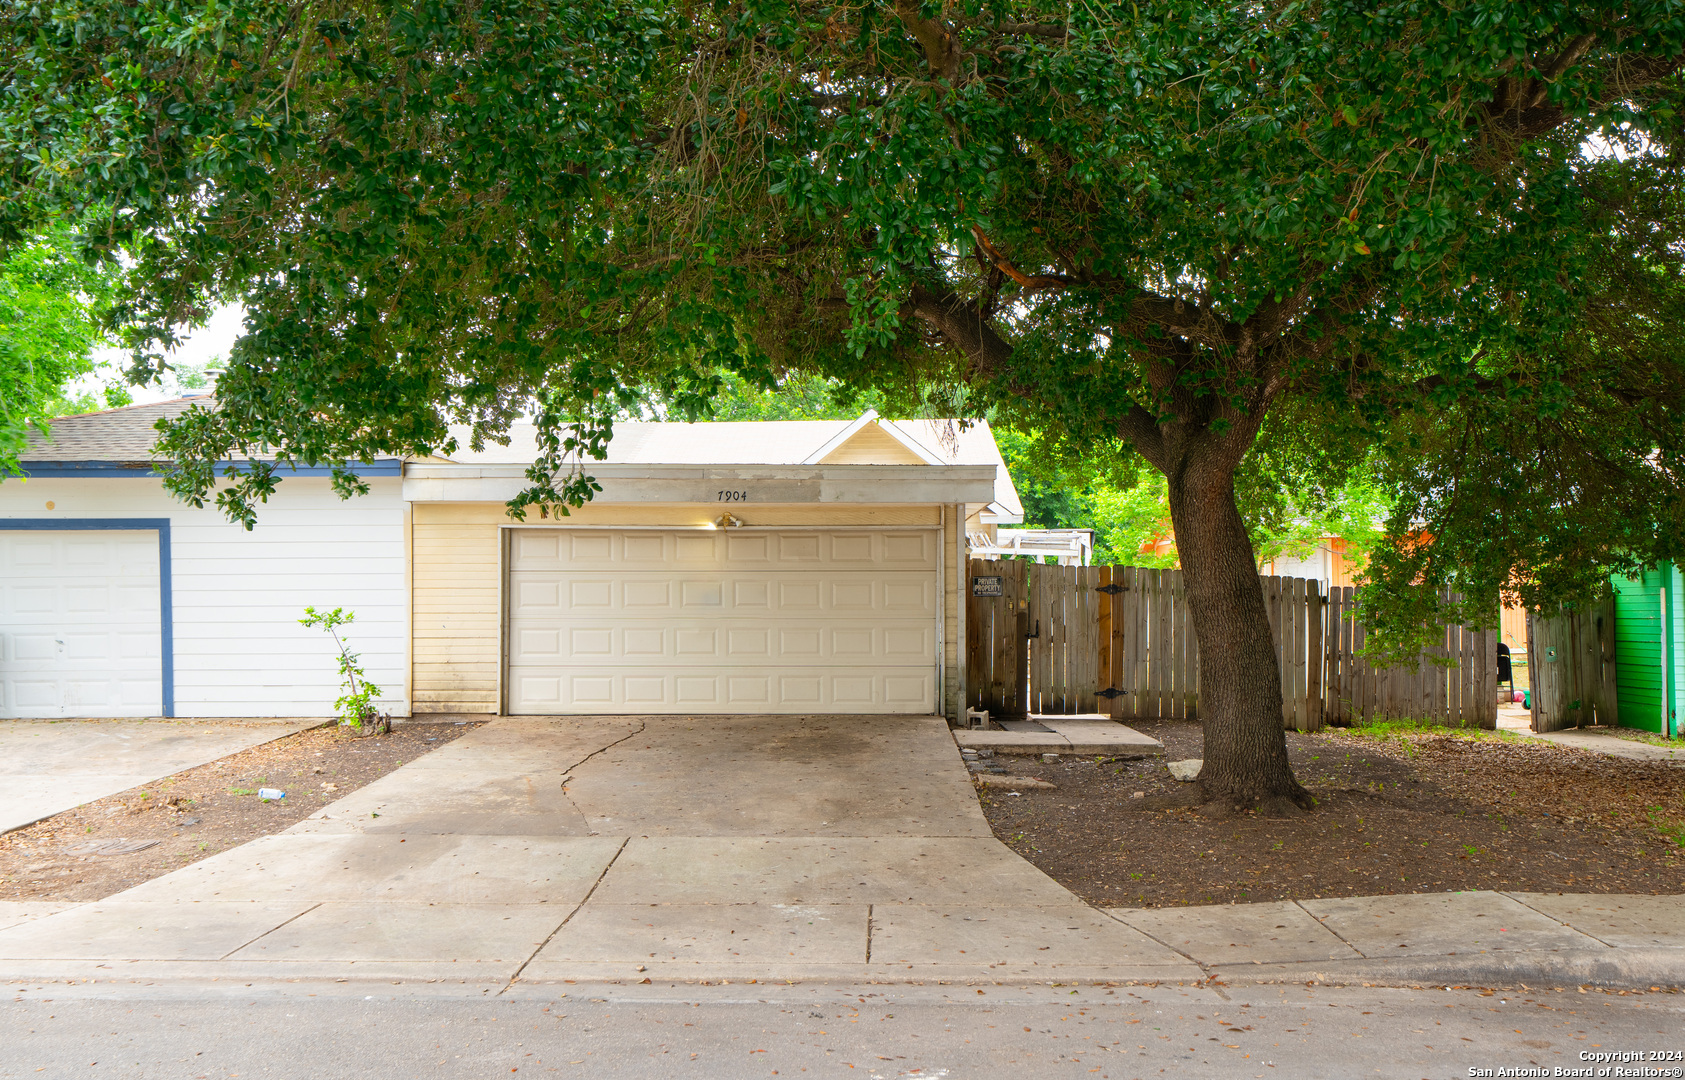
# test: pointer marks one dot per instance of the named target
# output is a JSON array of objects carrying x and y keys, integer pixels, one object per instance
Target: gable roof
[{"x": 779, "y": 442}]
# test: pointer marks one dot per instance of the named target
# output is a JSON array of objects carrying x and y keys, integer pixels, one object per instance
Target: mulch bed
[
  {"x": 88, "y": 853},
  {"x": 1419, "y": 813}
]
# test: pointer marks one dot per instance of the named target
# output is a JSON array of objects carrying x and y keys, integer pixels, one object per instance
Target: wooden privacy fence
[
  {"x": 1119, "y": 640},
  {"x": 1454, "y": 682}
]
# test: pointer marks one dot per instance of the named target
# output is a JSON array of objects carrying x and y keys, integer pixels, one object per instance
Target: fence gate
[
  {"x": 1571, "y": 663},
  {"x": 1064, "y": 633},
  {"x": 994, "y": 636},
  {"x": 1149, "y": 659}
]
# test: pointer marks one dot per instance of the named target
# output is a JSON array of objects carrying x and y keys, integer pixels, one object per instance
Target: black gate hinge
[
  {"x": 1110, "y": 590},
  {"x": 1110, "y": 692}
]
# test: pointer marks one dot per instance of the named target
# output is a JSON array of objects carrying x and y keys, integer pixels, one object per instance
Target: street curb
[{"x": 1613, "y": 969}]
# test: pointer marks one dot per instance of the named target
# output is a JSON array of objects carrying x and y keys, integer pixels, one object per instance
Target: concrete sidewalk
[
  {"x": 1479, "y": 938},
  {"x": 50, "y": 766},
  {"x": 1599, "y": 740}
]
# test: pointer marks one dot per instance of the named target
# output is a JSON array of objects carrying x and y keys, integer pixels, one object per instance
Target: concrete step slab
[
  {"x": 1103, "y": 736},
  {"x": 1079, "y": 735}
]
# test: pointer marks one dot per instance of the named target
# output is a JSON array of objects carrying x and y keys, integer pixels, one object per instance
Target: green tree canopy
[
  {"x": 51, "y": 305},
  {"x": 1174, "y": 223}
]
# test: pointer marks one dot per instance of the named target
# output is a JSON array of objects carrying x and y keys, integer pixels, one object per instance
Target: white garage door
[
  {"x": 79, "y": 624},
  {"x": 722, "y": 621}
]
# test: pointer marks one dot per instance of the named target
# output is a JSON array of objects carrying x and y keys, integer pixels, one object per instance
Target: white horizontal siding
[{"x": 238, "y": 595}]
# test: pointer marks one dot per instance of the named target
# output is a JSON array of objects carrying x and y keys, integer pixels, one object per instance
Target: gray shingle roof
[{"x": 121, "y": 435}]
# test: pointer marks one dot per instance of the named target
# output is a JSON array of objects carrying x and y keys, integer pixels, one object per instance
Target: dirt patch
[
  {"x": 117, "y": 842},
  {"x": 1417, "y": 813}
]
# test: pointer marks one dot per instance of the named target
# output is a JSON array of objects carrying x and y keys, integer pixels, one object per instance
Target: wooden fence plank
[
  {"x": 1178, "y": 646},
  {"x": 1301, "y": 659},
  {"x": 1020, "y": 653},
  {"x": 1058, "y": 642},
  {"x": 1103, "y": 634},
  {"x": 1166, "y": 653},
  {"x": 1466, "y": 715},
  {"x": 1040, "y": 620},
  {"x": 1316, "y": 627},
  {"x": 1362, "y": 678},
  {"x": 1129, "y": 680},
  {"x": 1193, "y": 658},
  {"x": 1120, "y": 679},
  {"x": 1149, "y": 644},
  {"x": 1088, "y": 654}
]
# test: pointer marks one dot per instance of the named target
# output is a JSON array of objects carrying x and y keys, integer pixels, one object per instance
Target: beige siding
[
  {"x": 872, "y": 445},
  {"x": 457, "y": 587}
]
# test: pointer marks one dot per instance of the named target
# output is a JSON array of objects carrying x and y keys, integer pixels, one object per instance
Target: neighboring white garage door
[
  {"x": 79, "y": 624},
  {"x": 722, "y": 621}
]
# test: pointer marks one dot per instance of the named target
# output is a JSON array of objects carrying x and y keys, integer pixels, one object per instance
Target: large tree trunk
[{"x": 1239, "y": 681}]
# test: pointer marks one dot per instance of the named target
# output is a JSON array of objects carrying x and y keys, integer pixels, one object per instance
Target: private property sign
[{"x": 988, "y": 585}]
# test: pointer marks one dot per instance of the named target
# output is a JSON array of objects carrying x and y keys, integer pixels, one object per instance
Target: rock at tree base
[{"x": 1186, "y": 769}]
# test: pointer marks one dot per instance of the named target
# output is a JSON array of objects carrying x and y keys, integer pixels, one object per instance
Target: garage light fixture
[{"x": 727, "y": 521}]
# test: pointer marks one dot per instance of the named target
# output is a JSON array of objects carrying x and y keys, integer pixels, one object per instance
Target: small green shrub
[{"x": 356, "y": 702}]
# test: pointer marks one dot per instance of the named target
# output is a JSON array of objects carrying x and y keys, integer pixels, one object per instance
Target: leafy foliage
[{"x": 50, "y": 308}]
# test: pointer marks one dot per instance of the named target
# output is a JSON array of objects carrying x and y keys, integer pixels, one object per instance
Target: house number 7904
[{"x": 734, "y": 496}]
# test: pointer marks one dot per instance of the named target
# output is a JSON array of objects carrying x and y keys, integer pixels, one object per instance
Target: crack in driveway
[{"x": 567, "y": 774}]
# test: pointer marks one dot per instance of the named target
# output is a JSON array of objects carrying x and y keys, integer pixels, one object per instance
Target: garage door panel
[
  {"x": 582, "y": 550},
  {"x": 32, "y": 600},
  {"x": 848, "y": 689},
  {"x": 637, "y": 595},
  {"x": 80, "y": 625},
  {"x": 728, "y": 643}
]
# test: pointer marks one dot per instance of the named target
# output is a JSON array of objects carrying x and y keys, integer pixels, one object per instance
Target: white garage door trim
[
  {"x": 161, "y": 526},
  {"x": 884, "y": 603}
]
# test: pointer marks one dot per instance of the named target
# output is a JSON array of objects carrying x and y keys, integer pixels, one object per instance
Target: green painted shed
[{"x": 1650, "y": 646}]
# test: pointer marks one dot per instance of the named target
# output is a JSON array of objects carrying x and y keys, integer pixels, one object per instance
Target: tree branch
[
  {"x": 961, "y": 323},
  {"x": 1028, "y": 281},
  {"x": 936, "y": 39}
]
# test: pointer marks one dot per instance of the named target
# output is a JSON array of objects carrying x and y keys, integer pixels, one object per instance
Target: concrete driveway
[
  {"x": 554, "y": 849},
  {"x": 49, "y": 766}
]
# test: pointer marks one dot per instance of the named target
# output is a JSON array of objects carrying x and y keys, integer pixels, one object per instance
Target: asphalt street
[{"x": 342, "y": 1031}]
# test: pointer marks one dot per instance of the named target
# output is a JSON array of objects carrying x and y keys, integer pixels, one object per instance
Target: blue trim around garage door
[
  {"x": 166, "y": 611},
  {"x": 103, "y": 469}
]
